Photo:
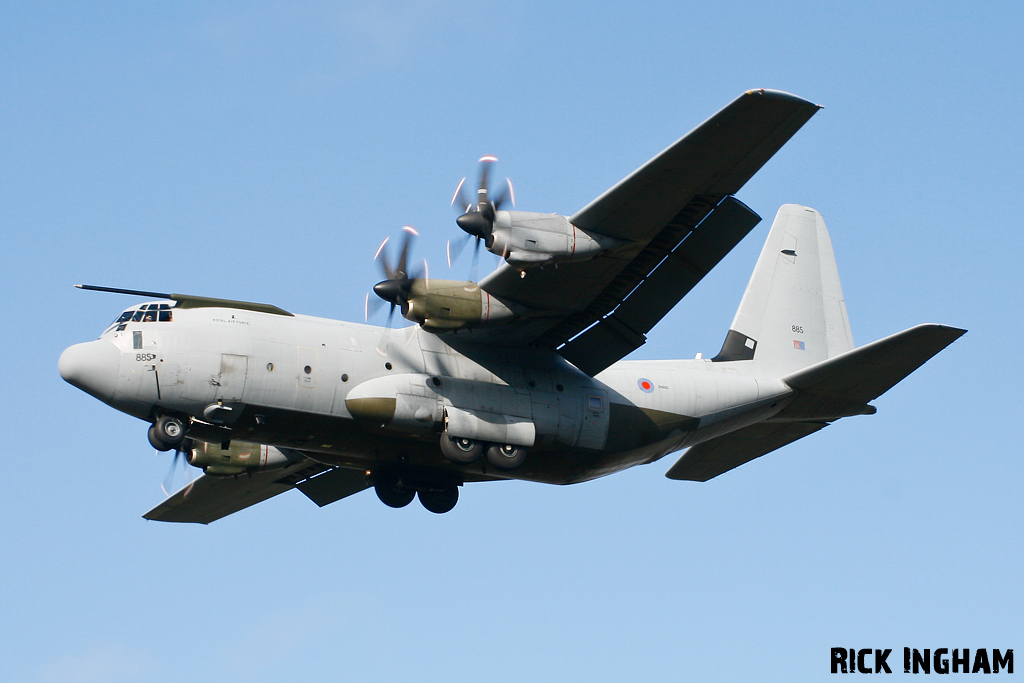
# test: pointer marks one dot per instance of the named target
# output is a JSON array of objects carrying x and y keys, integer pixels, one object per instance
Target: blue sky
[{"x": 262, "y": 150}]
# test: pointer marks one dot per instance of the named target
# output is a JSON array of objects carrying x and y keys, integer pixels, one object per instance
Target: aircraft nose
[{"x": 92, "y": 367}]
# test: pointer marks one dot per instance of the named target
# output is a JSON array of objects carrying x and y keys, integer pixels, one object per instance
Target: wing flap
[
  {"x": 625, "y": 328},
  {"x": 719, "y": 455},
  {"x": 334, "y": 485}
]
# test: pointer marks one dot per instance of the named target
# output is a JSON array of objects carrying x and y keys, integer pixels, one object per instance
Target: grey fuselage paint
[{"x": 283, "y": 381}]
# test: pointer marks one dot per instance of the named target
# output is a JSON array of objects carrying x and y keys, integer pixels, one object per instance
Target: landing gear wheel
[
  {"x": 440, "y": 501},
  {"x": 460, "y": 450},
  {"x": 155, "y": 441},
  {"x": 506, "y": 456},
  {"x": 392, "y": 493},
  {"x": 169, "y": 430}
]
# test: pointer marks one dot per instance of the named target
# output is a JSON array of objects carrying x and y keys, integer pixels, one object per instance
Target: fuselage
[{"x": 305, "y": 383}]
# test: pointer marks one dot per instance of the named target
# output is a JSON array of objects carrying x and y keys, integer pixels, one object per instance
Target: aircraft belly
[{"x": 344, "y": 442}]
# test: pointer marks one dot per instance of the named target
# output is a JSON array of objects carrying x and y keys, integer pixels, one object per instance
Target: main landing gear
[
  {"x": 397, "y": 491},
  {"x": 167, "y": 433},
  {"x": 464, "y": 451}
]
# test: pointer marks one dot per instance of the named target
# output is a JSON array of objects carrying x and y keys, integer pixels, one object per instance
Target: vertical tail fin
[{"x": 793, "y": 313}]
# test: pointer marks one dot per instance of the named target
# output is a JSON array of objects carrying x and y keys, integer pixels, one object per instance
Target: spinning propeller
[
  {"x": 478, "y": 217},
  {"x": 180, "y": 452},
  {"x": 397, "y": 286}
]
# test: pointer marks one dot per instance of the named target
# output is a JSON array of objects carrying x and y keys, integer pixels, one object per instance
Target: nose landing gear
[{"x": 167, "y": 433}]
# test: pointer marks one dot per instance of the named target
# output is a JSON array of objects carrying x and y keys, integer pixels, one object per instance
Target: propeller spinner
[
  {"x": 397, "y": 286},
  {"x": 478, "y": 219}
]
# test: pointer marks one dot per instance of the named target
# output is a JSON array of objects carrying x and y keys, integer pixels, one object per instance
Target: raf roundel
[{"x": 645, "y": 385}]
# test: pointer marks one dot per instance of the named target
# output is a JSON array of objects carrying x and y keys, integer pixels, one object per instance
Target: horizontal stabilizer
[
  {"x": 865, "y": 373},
  {"x": 824, "y": 392},
  {"x": 721, "y": 454}
]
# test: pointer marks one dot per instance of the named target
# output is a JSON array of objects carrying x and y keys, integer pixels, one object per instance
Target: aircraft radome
[{"x": 517, "y": 376}]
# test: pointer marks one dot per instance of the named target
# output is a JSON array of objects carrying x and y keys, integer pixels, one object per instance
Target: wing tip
[
  {"x": 781, "y": 95},
  {"x": 946, "y": 331}
]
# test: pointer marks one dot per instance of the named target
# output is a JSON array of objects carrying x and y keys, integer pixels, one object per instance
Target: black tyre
[
  {"x": 169, "y": 430},
  {"x": 506, "y": 456},
  {"x": 155, "y": 441},
  {"x": 441, "y": 500},
  {"x": 463, "y": 451},
  {"x": 391, "y": 492}
]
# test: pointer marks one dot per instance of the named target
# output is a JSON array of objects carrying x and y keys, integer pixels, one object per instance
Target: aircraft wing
[
  {"x": 208, "y": 499},
  {"x": 677, "y": 219}
]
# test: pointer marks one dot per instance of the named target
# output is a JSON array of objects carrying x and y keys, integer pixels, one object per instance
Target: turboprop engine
[
  {"x": 523, "y": 238},
  {"x": 527, "y": 239},
  {"x": 239, "y": 456},
  {"x": 443, "y": 304},
  {"x": 434, "y": 304}
]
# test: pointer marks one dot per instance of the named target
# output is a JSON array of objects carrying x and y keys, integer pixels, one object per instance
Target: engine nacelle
[
  {"x": 533, "y": 239},
  {"x": 451, "y": 305},
  {"x": 237, "y": 458}
]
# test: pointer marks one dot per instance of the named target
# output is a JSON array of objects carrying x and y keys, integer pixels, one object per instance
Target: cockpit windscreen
[{"x": 147, "y": 313}]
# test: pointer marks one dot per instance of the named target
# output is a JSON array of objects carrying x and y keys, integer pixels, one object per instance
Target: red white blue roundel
[{"x": 646, "y": 385}]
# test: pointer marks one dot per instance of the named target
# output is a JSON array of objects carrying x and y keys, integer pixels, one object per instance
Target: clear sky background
[{"x": 262, "y": 150}]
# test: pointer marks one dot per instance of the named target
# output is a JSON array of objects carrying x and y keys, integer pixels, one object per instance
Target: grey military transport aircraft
[{"x": 517, "y": 376}]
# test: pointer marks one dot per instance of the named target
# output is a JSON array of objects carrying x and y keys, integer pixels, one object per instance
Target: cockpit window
[{"x": 146, "y": 313}]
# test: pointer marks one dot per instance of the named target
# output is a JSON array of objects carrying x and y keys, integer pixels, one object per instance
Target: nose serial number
[{"x": 145, "y": 356}]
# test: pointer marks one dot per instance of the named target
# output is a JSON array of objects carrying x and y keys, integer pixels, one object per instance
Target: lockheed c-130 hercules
[{"x": 517, "y": 376}]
